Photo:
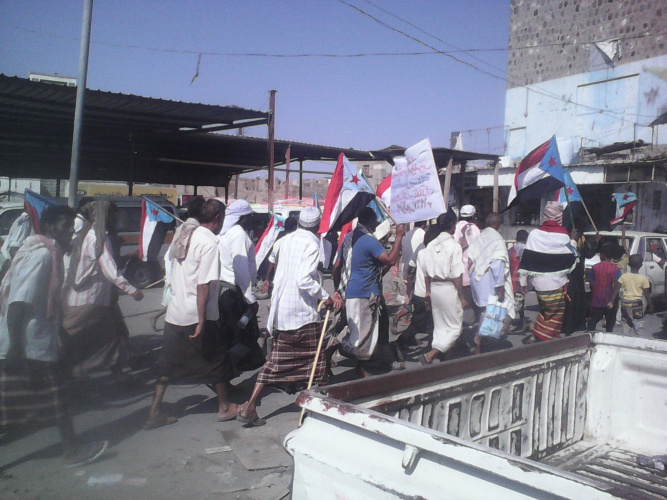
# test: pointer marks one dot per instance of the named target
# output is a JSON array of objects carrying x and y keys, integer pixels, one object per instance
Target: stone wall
[{"x": 551, "y": 38}]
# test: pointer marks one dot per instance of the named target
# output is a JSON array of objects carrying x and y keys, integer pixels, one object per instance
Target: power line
[
  {"x": 432, "y": 51},
  {"x": 542, "y": 92},
  {"x": 331, "y": 55}
]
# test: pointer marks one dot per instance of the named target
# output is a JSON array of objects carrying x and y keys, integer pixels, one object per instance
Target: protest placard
[{"x": 415, "y": 188}]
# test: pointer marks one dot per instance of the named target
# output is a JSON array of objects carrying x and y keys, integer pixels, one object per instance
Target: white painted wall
[{"x": 629, "y": 93}]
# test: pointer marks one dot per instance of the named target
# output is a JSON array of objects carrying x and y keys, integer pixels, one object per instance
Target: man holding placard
[{"x": 367, "y": 316}]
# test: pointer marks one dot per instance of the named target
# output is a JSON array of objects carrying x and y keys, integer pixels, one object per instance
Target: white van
[{"x": 651, "y": 246}]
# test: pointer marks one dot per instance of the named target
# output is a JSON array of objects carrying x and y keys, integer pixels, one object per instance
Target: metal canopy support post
[
  {"x": 462, "y": 183},
  {"x": 272, "y": 123},
  {"x": 496, "y": 169},
  {"x": 448, "y": 180},
  {"x": 287, "y": 165},
  {"x": 300, "y": 179},
  {"x": 84, "y": 51}
]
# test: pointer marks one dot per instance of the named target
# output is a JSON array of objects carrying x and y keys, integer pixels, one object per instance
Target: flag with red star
[
  {"x": 34, "y": 205},
  {"x": 625, "y": 202},
  {"x": 155, "y": 222},
  {"x": 347, "y": 195},
  {"x": 539, "y": 173},
  {"x": 571, "y": 189},
  {"x": 275, "y": 226}
]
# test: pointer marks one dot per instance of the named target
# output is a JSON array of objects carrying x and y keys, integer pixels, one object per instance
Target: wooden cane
[
  {"x": 317, "y": 357},
  {"x": 153, "y": 284}
]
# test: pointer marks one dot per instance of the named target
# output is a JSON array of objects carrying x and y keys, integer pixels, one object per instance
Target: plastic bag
[{"x": 494, "y": 317}]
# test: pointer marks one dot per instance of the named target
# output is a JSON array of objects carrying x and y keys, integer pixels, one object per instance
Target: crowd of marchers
[{"x": 60, "y": 318}]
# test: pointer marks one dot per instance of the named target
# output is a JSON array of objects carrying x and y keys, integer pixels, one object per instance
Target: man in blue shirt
[{"x": 367, "y": 315}]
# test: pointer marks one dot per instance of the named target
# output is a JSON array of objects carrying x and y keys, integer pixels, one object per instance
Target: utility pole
[
  {"x": 84, "y": 51},
  {"x": 272, "y": 125},
  {"x": 287, "y": 165},
  {"x": 496, "y": 173}
]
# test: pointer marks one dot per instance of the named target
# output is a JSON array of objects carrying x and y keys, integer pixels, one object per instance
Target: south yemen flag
[
  {"x": 154, "y": 226},
  {"x": 34, "y": 205},
  {"x": 625, "y": 202},
  {"x": 538, "y": 174},
  {"x": 275, "y": 226},
  {"x": 347, "y": 195}
]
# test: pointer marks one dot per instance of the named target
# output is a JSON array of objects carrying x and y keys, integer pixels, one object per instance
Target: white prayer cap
[
  {"x": 382, "y": 230},
  {"x": 467, "y": 211},
  {"x": 234, "y": 212},
  {"x": 310, "y": 217}
]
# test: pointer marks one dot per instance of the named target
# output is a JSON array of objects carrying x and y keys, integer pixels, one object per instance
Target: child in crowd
[
  {"x": 515, "y": 253},
  {"x": 603, "y": 277},
  {"x": 634, "y": 286}
]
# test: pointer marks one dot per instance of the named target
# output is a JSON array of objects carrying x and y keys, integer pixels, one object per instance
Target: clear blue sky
[{"x": 364, "y": 103}]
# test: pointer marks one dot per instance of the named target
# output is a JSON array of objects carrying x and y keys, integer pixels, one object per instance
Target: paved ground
[{"x": 196, "y": 457}]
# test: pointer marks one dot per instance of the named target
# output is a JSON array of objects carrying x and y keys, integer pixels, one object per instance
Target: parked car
[
  {"x": 9, "y": 211},
  {"x": 651, "y": 246}
]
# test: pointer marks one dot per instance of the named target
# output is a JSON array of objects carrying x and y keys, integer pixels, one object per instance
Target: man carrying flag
[
  {"x": 574, "y": 220},
  {"x": 26, "y": 224},
  {"x": 547, "y": 260},
  {"x": 154, "y": 225}
]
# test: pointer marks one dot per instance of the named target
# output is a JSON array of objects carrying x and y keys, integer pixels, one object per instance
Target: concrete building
[{"x": 594, "y": 73}]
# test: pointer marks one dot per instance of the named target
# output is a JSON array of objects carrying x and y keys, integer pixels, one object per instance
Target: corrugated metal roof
[
  {"x": 141, "y": 139},
  {"x": 37, "y": 99}
]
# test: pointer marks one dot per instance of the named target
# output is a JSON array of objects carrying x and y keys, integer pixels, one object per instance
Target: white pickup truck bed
[{"x": 563, "y": 419}]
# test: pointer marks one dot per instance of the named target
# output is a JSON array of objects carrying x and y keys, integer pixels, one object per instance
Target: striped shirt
[
  {"x": 602, "y": 277},
  {"x": 297, "y": 286},
  {"x": 98, "y": 280}
]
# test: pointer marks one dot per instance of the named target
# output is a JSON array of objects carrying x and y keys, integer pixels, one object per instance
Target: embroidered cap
[{"x": 310, "y": 217}]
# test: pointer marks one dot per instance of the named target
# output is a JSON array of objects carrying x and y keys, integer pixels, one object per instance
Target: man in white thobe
[{"x": 238, "y": 304}]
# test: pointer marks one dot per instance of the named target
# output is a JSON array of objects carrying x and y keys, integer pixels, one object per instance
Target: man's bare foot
[
  {"x": 363, "y": 372},
  {"x": 230, "y": 414}
]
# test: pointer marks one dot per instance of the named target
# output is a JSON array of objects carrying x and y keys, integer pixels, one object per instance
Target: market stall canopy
[{"x": 133, "y": 138}]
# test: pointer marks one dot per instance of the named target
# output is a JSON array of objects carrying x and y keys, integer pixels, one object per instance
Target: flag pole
[
  {"x": 143, "y": 196},
  {"x": 567, "y": 199},
  {"x": 386, "y": 210},
  {"x": 589, "y": 214}
]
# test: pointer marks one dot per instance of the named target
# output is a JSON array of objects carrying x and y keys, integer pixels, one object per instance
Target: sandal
[
  {"x": 230, "y": 417},
  {"x": 159, "y": 421},
  {"x": 253, "y": 420}
]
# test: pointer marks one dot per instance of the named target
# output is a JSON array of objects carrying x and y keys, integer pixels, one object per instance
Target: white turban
[
  {"x": 310, "y": 217},
  {"x": 233, "y": 213}
]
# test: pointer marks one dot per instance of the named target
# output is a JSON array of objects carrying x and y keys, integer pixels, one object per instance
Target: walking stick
[
  {"x": 154, "y": 284},
  {"x": 317, "y": 356}
]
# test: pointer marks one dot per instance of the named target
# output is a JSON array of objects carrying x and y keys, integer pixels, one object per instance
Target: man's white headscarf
[{"x": 233, "y": 213}]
